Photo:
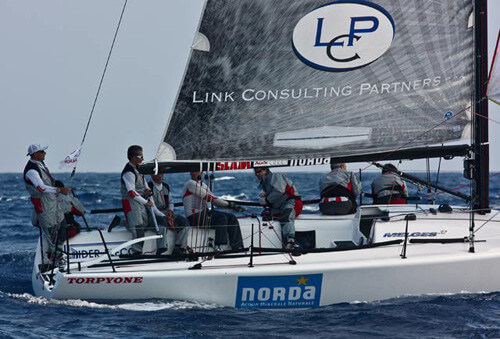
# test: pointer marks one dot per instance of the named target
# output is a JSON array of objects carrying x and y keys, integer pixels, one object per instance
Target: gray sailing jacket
[
  {"x": 340, "y": 177},
  {"x": 280, "y": 191},
  {"x": 45, "y": 203},
  {"x": 161, "y": 197},
  {"x": 135, "y": 211},
  {"x": 389, "y": 184}
]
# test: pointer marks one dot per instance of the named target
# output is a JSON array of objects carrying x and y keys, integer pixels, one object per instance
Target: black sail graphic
[{"x": 248, "y": 93}]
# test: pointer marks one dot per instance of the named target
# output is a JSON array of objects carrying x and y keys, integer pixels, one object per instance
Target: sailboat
[{"x": 291, "y": 83}]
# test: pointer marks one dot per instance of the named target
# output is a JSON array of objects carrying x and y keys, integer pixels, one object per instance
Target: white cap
[{"x": 36, "y": 148}]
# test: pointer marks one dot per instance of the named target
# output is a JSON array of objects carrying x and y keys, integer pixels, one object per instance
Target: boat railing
[
  {"x": 68, "y": 254},
  {"x": 116, "y": 249},
  {"x": 79, "y": 265}
]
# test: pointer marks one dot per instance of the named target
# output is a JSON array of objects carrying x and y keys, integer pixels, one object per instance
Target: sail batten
[{"x": 312, "y": 78}]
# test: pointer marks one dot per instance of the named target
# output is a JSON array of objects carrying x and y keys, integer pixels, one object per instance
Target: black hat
[{"x": 389, "y": 168}]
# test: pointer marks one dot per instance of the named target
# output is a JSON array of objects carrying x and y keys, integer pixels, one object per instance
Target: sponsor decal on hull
[
  {"x": 274, "y": 292},
  {"x": 414, "y": 234},
  {"x": 343, "y": 35},
  {"x": 105, "y": 281},
  {"x": 93, "y": 252}
]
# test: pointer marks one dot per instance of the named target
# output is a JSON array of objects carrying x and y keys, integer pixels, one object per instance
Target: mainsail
[{"x": 287, "y": 79}]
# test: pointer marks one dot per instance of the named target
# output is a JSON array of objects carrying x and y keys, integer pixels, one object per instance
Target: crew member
[
  {"x": 67, "y": 207},
  {"x": 280, "y": 194},
  {"x": 177, "y": 223},
  {"x": 389, "y": 188},
  {"x": 134, "y": 191},
  {"x": 338, "y": 191},
  {"x": 195, "y": 197},
  {"x": 41, "y": 186}
]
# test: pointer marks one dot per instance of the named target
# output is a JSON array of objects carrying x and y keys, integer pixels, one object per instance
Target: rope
[{"x": 101, "y": 81}]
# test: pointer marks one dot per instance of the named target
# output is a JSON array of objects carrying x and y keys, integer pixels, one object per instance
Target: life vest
[
  {"x": 160, "y": 197},
  {"x": 140, "y": 188},
  {"x": 128, "y": 201},
  {"x": 42, "y": 202}
]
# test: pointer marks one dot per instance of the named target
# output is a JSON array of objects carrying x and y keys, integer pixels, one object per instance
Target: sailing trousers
[
  {"x": 226, "y": 225},
  {"x": 137, "y": 221},
  {"x": 179, "y": 228},
  {"x": 286, "y": 218}
]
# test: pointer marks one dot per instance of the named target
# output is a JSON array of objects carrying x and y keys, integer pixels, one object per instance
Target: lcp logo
[{"x": 343, "y": 35}]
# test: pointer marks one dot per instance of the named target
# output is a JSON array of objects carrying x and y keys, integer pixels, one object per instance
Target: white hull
[{"x": 317, "y": 279}]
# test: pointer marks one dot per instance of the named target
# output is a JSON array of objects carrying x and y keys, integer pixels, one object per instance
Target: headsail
[
  {"x": 493, "y": 91},
  {"x": 314, "y": 78}
]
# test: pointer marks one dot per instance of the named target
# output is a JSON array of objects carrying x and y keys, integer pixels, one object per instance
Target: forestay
[{"x": 309, "y": 78}]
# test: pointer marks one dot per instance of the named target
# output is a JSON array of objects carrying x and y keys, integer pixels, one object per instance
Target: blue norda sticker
[{"x": 285, "y": 291}]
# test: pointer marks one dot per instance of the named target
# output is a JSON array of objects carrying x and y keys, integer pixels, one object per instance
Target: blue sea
[{"x": 24, "y": 315}]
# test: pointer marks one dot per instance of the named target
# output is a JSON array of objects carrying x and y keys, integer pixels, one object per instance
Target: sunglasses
[{"x": 140, "y": 157}]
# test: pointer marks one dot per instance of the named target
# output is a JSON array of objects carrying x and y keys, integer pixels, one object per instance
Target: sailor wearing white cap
[{"x": 41, "y": 186}]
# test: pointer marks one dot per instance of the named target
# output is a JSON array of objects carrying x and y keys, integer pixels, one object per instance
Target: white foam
[
  {"x": 72, "y": 302},
  {"x": 137, "y": 306},
  {"x": 158, "y": 306},
  {"x": 241, "y": 196},
  {"x": 224, "y": 178}
]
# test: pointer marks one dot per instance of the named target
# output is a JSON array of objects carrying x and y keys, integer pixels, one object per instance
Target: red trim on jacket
[
  {"x": 126, "y": 207},
  {"x": 297, "y": 207},
  {"x": 76, "y": 211},
  {"x": 37, "y": 203},
  {"x": 133, "y": 194}
]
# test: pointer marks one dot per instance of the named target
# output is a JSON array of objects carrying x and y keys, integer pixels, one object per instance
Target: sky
[{"x": 52, "y": 56}]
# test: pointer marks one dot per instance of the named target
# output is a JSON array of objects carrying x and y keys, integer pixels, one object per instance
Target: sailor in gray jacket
[
  {"x": 389, "y": 188},
  {"x": 41, "y": 186},
  {"x": 338, "y": 191},
  {"x": 165, "y": 204},
  {"x": 281, "y": 195},
  {"x": 134, "y": 189}
]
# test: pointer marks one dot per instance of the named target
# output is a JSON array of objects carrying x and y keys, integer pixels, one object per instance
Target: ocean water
[{"x": 24, "y": 315}]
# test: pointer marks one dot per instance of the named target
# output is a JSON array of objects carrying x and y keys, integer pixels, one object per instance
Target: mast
[{"x": 481, "y": 145}]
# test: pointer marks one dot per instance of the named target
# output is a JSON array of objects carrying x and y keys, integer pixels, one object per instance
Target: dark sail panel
[{"x": 308, "y": 78}]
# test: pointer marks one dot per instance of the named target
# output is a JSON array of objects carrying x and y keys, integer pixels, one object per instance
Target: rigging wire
[
  {"x": 418, "y": 136},
  {"x": 101, "y": 82},
  {"x": 487, "y": 221}
]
